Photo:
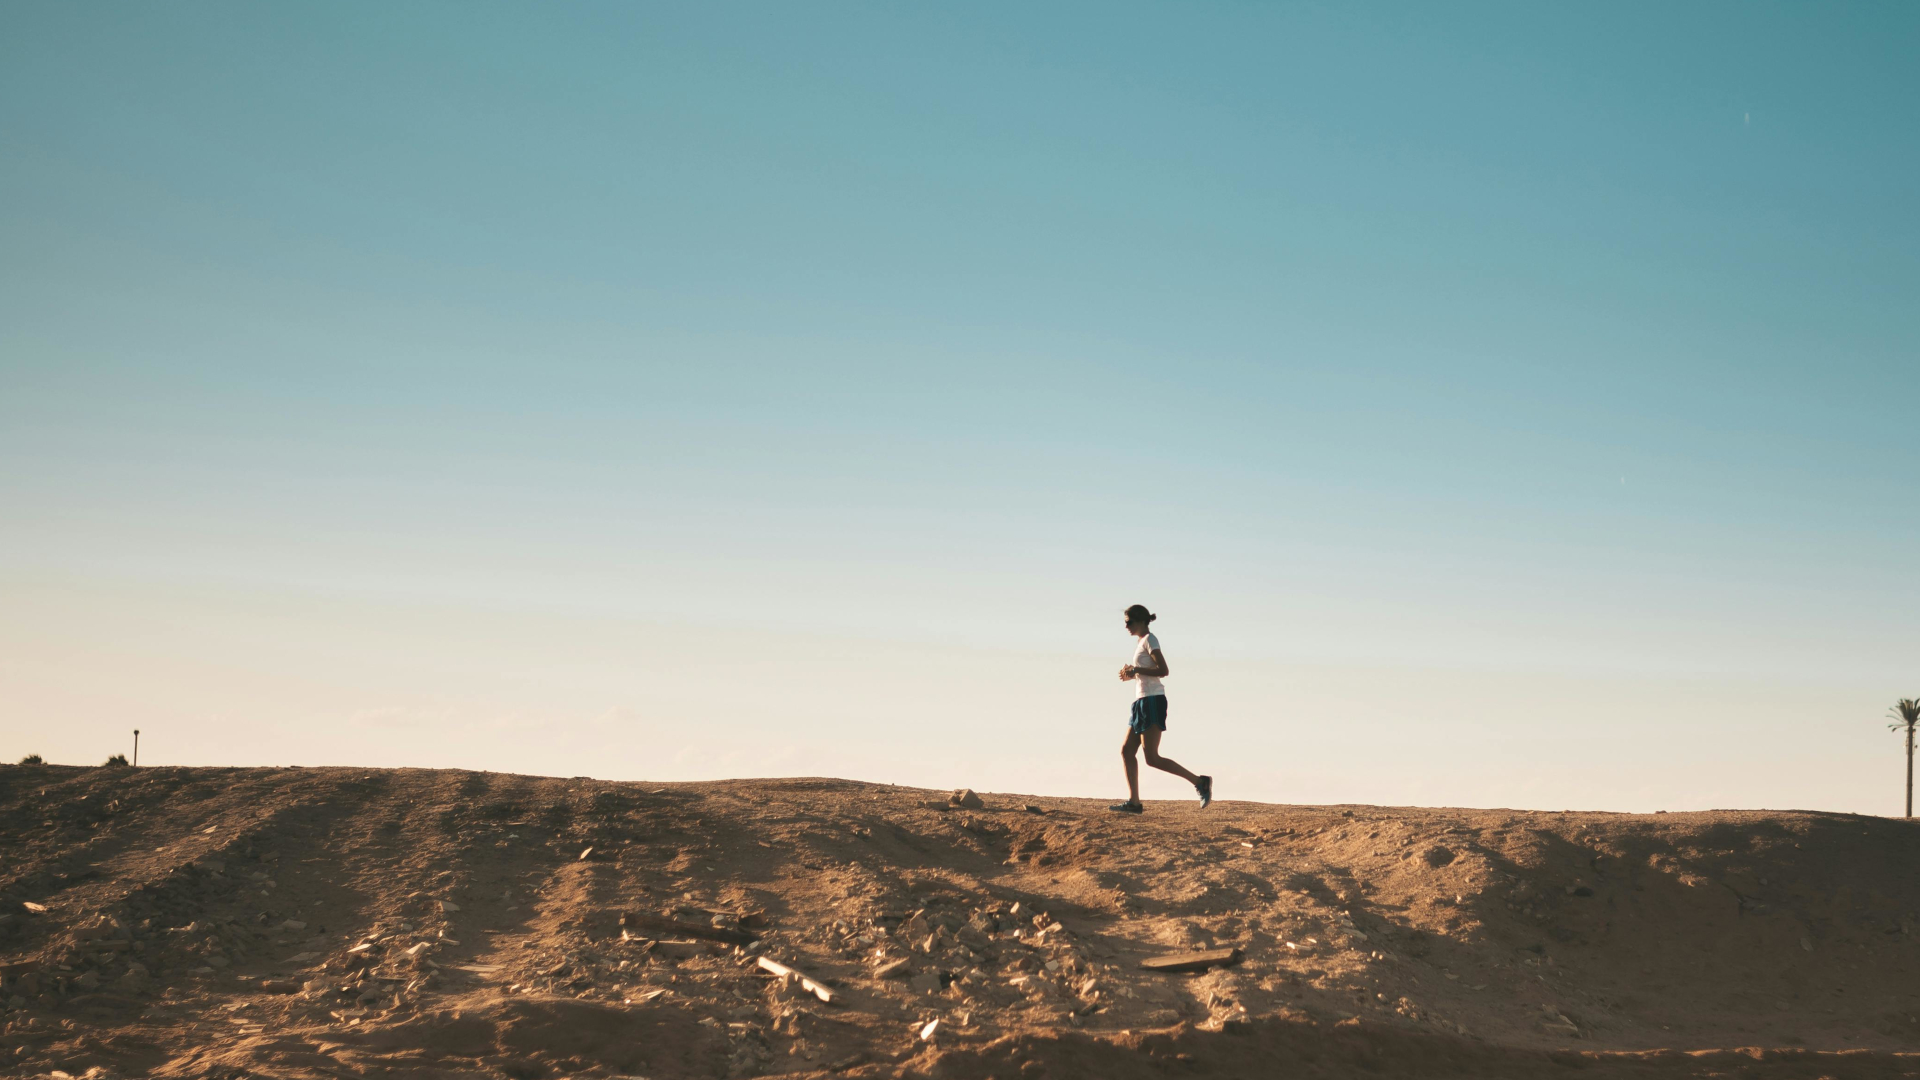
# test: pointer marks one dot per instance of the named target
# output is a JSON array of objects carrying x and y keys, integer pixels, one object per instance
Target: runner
[{"x": 1149, "y": 721}]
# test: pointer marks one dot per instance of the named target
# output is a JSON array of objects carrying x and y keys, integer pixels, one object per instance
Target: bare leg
[
  {"x": 1164, "y": 764},
  {"x": 1132, "y": 763}
]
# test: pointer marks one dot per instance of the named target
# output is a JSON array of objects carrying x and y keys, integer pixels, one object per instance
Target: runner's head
[{"x": 1137, "y": 619}]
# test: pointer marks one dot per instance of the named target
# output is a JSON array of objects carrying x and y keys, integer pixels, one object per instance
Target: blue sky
[{"x": 1431, "y": 370}]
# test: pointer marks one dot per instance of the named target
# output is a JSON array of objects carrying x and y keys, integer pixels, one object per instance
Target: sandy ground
[{"x": 231, "y": 923}]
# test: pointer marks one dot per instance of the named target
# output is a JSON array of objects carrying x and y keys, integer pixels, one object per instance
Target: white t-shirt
[{"x": 1146, "y": 685}]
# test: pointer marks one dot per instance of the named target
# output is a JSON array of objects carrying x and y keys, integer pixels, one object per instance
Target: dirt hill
[{"x": 350, "y": 922}]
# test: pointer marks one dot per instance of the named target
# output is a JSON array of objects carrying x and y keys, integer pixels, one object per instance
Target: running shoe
[
  {"x": 1204, "y": 786},
  {"x": 1128, "y": 807}
]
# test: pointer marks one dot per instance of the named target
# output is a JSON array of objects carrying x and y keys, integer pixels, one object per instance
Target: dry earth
[{"x": 228, "y": 923}]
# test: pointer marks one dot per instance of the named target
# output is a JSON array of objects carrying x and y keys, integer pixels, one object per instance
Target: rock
[
  {"x": 279, "y": 986},
  {"x": 293, "y": 924},
  {"x": 927, "y": 982},
  {"x": 680, "y": 950},
  {"x": 135, "y": 979},
  {"x": 448, "y": 905},
  {"x": 218, "y": 961},
  {"x": 931, "y": 1028},
  {"x": 898, "y": 969},
  {"x": 88, "y": 981},
  {"x": 965, "y": 799}
]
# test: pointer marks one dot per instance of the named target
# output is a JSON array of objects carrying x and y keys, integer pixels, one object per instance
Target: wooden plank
[
  {"x": 666, "y": 926},
  {"x": 1193, "y": 961},
  {"x": 820, "y": 990}
]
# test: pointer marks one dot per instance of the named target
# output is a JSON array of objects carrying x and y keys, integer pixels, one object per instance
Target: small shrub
[
  {"x": 33, "y": 759},
  {"x": 117, "y": 759}
]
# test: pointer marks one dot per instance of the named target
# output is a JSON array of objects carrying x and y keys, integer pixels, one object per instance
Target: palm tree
[{"x": 1906, "y": 713}]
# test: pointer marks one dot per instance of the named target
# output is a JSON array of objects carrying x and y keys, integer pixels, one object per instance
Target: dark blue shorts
[{"x": 1149, "y": 714}]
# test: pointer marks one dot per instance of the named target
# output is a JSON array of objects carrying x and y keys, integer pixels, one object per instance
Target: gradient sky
[{"x": 1504, "y": 405}]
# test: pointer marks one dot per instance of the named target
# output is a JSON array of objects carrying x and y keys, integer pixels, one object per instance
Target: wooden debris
[
  {"x": 664, "y": 925},
  {"x": 818, "y": 989},
  {"x": 1193, "y": 961}
]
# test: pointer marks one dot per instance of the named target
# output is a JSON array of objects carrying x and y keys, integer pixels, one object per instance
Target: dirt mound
[{"x": 336, "y": 922}]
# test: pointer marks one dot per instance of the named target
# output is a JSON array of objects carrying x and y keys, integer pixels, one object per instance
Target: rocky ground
[{"x": 230, "y": 923}]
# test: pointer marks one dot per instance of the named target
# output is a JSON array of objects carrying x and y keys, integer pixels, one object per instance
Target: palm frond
[{"x": 1905, "y": 712}]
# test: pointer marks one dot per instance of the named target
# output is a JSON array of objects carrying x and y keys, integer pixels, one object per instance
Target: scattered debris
[
  {"x": 1193, "y": 961},
  {"x": 662, "y": 924},
  {"x": 816, "y": 988}
]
